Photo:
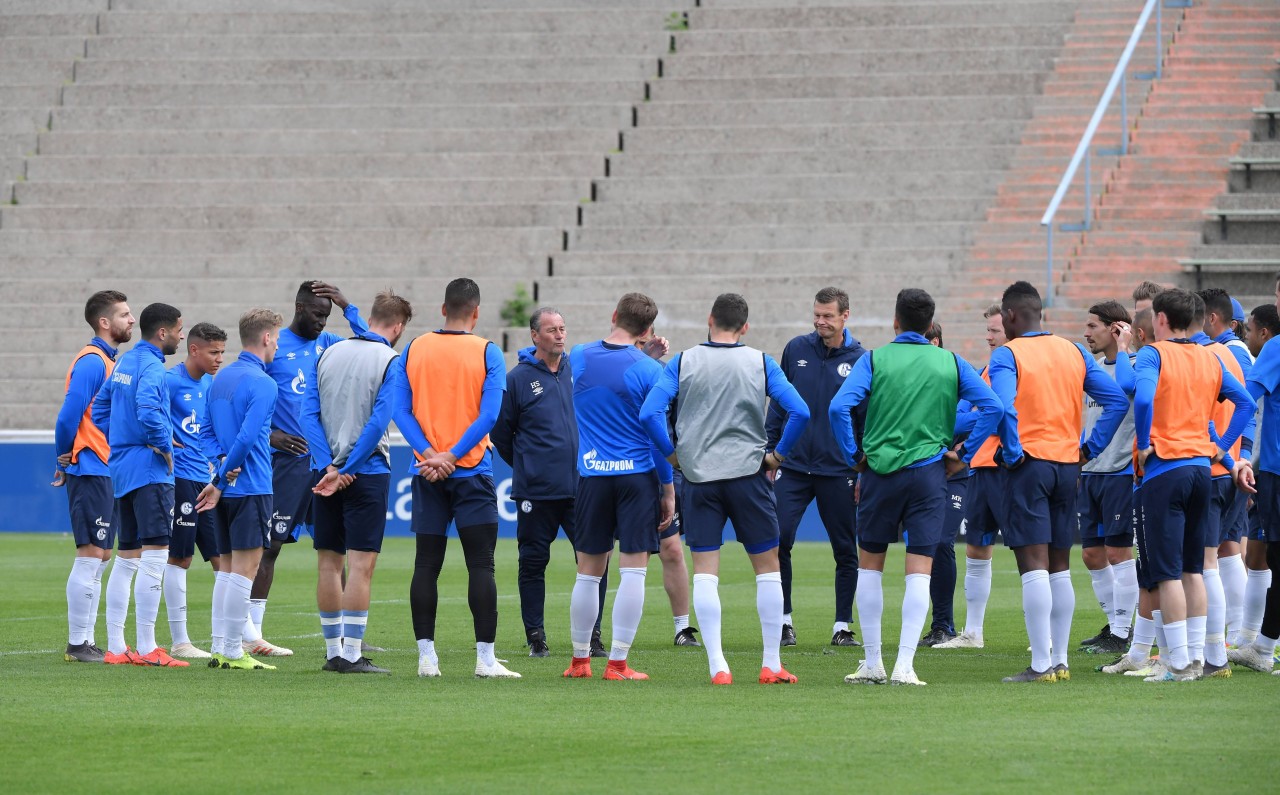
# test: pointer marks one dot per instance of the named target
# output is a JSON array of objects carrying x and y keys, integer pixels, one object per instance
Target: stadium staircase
[{"x": 1150, "y": 218}]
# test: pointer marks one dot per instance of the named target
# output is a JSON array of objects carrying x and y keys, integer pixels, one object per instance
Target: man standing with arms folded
[
  {"x": 817, "y": 364},
  {"x": 721, "y": 388},
  {"x": 1042, "y": 379},
  {"x": 294, "y": 371},
  {"x": 911, "y": 390},
  {"x": 83, "y": 452},
  {"x": 619, "y": 497},
  {"x": 189, "y": 384},
  {"x": 345, "y": 418},
  {"x": 132, "y": 408},
  {"x": 236, "y": 434},
  {"x": 1177, "y": 386},
  {"x": 449, "y": 386}
]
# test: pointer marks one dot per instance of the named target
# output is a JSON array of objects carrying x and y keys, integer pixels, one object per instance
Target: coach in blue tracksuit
[
  {"x": 132, "y": 409},
  {"x": 817, "y": 364},
  {"x": 537, "y": 434}
]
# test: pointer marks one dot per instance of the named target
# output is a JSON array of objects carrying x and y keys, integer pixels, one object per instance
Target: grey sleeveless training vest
[
  {"x": 348, "y": 377},
  {"x": 720, "y": 412}
]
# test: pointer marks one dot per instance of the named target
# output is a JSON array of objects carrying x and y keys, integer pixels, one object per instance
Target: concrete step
[
  {"x": 430, "y": 168},
  {"x": 28, "y": 96},
  {"x": 271, "y": 242},
  {"x": 771, "y": 237},
  {"x": 47, "y": 24},
  {"x": 810, "y": 63},
  {"x": 922, "y": 184},
  {"x": 355, "y": 45},
  {"x": 776, "y": 15},
  {"x": 877, "y": 84},
  {"x": 478, "y": 68},
  {"x": 242, "y": 217},
  {"x": 821, "y": 137},
  {"x": 268, "y": 117},
  {"x": 834, "y": 111},
  {"x": 109, "y": 266},
  {"x": 29, "y": 7},
  {"x": 383, "y": 6},
  {"x": 816, "y": 161},
  {"x": 331, "y": 141},
  {"x": 855, "y": 38},
  {"x": 42, "y": 48},
  {"x": 196, "y": 192},
  {"x": 793, "y": 287},
  {"x": 369, "y": 92},
  {"x": 780, "y": 213},
  {"x": 15, "y": 120},
  {"x": 865, "y": 263},
  {"x": 29, "y": 72},
  {"x": 208, "y": 21}
]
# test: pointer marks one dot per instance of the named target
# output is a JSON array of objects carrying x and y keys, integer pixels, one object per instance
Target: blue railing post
[{"x": 1159, "y": 39}]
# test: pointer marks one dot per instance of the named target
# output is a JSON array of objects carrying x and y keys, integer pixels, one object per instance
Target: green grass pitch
[{"x": 81, "y": 728}]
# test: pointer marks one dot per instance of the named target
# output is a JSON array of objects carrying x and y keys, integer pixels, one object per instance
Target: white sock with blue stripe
[
  {"x": 353, "y": 624},
  {"x": 331, "y": 628}
]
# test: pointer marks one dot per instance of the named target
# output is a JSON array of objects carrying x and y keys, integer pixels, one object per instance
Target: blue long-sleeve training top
[
  {"x": 495, "y": 378},
  {"x": 186, "y": 411},
  {"x": 361, "y": 460},
  {"x": 1264, "y": 385},
  {"x": 87, "y": 375},
  {"x": 653, "y": 412},
  {"x": 1146, "y": 378},
  {"x": 132, "y": 409},
  {"x": 238, "y": 425},
  {"x": 970, "y": 387},
  {"x": 1097, "y": 385},
  {"x": 294, "y": 370},
  {"x": 610, "y": 383}
]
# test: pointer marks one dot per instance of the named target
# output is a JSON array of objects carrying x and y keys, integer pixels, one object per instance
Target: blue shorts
[
  {"x": 1222, "y": 495},
  {"x": 354, "y": 518},
  {"x": 914, "y": 499},
  {"x": 1105, "y": 510},
  {"x": 1237, "y": 521},
  {"x": 146, "y": 516},
  {"x": 1175, "y": 507},
  {"x": 191, "y": 529},
  {"x": 1042, "y": 504},
  {"x": 953, "y": 524},
  {"x": 291, "y": 482},
  {"x": 984, "y": 513},
  {"x": 1267, "y": 501},
  {"x": 747, "y": 502},
  {"x": 621, "y": 507},
  {"x": 95, "y": 517},
  {"x": 467, "y": 502},
  {"x": 676, "y": 528},
  {"x": 243, "y": 522}
]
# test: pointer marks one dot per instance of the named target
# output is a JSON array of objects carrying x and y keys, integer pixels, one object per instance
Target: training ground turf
[{"x": 90, "y": 728}]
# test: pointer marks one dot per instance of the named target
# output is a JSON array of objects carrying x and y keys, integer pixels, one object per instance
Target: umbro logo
[
  {"x": 186, "y": 396},
  {"x": 536, "y": 386},
  {"x": 802, "y": 363}
]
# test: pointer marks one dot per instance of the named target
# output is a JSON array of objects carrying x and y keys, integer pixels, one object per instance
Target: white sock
[
  {"x": 1162, "y": 643},
  {"x": 235, "y": 614},
  {"x": 869, "y": 599},
  {"x": 148, "y": 587},
  {"x": 915, "y": 605},
  {"x": 97, "y": 596},
  {"x": 1265, "y": 646},
  {"x": 354, "y": 623},
  {"x": 1104, "y": 587},
  {"x": 977, "y": 590},
  {"x": 628, "y": 607},
  {"x": 584, "y": 605},
  {"x": 1175, "y": 632},
  {"x": 1231, "y": 570},
  {"x": 1255, "y": 600},
  {"x": 253, "y": 626},
  {"x": 839, "y": 626},
  {"x": 218, "y": 640},
  {"x": 769, "y": 608},
  {"x": 175, "y": 602},
  {"x": 706, "y": 604},
  {"x": 1216, "y": 617},
  {"x": 119, "y": 591},
  {"x": 1144, "y": 634},
  {"x": 786, "y": 620},
  {"x": 1064, "y": 607},
  {"x": 1124, "y": 602},
  {"x": 1195, "y": 638},
  {"x": 427, "y": 648},
  {"x": 484, "y": 654},
  {"x": 681, "y": 622},
  {"x": 1037, "y": 606},
  {"x": 1215, "y": 649},
  {"x": 80, "y": 599},
  {"x": 331, "y": 629}
]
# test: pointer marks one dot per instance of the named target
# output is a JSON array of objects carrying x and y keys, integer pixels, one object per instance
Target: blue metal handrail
[{"x": 1083, "y": 149}]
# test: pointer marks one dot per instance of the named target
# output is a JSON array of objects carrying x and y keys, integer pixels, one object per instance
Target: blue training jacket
[
  {"x": 537, "y": 432},
  {"x": 186, "y": 412},
  {"x": 237, "y": 425},
  {"x": 817, "y": 372},
  {"x": 132, "y": 409}
]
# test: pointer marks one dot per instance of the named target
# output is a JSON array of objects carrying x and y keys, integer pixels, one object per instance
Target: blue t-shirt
[
  {"x": 294, "y": 369},
  {"x": 186, "y": 410},
  {"x": 610, "y": 383}
]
